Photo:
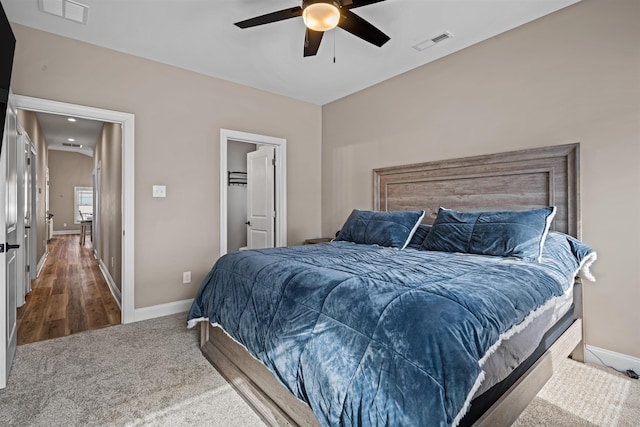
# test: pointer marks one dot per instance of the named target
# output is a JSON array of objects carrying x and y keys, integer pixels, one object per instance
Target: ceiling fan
[{"x": 323, "y": 15}]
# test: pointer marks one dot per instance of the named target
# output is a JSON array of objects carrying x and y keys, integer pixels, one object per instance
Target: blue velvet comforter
[{"x": 374, "y": 336}]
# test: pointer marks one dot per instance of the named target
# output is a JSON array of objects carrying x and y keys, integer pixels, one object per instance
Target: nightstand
[{"x": 318, "y": 240}]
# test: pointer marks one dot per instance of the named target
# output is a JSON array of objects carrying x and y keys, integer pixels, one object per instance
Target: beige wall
[
  {"x": 30, "y": 124},
  {"x": 108, "y": 154},
  {"x": 178, "y": 116},
  {"x": 66, "y": 171},
  {"x": 573, "y": 76}
]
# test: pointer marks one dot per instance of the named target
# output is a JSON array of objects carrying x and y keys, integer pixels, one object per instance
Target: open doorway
[
  {"x": 123, "y": 124},
  {"x": 75, "y": 290},
  {"x": 237, "y": 194},
  {"x": 234, "y": 147}
]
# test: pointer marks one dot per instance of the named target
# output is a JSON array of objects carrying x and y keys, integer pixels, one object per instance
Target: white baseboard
[
  {"x": 41, "y": 263},
  {"x": 59, "y": 232},
  {"x": 618, "y": 361},
  {"x": 112, "y": 285},
  {"x": 160, "y": 310}
]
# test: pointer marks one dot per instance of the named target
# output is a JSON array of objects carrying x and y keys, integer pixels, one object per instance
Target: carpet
[
  {"x": 140, "y": 374},
  {"x": 152, "y": 373},
  {"x": 583, "y": 395}
]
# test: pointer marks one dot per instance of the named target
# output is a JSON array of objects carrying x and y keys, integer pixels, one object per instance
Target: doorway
[
  {"x": 237, "y": 194},
  {"x": 126, "y": 120},
  {"x": 228, "y": 137}
]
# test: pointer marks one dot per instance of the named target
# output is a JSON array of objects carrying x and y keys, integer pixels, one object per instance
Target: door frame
[
  {"x": 95, "y": 231},
  {"x": 27, "y": 171},
  {"x": 20, "y": 223},
  {"x": 33, "y": 220},
  {"x": 127, "y": 120},
  {"x": 280, "y": 145}
]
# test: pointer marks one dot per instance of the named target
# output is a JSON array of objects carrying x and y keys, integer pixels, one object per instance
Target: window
[{"x": 83, "y": 203}]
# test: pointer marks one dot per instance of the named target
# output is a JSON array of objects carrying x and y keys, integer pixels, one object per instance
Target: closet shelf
[{"x": 236, "y": 178}]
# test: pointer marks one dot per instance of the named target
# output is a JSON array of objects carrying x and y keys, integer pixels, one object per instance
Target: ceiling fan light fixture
[{"x": 321, "y": 15}]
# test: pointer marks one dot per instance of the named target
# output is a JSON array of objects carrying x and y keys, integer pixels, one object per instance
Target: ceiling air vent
[
  {"x": 432, "y": 41},
  {"x": 68, "y": 144},
  {"x": 71, "y": 10}
]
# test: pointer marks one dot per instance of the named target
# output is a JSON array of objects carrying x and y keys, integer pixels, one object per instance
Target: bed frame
[{"x": 514, "y": 180}]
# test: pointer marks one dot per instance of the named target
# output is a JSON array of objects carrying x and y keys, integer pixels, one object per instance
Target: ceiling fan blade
[
  {"x": 351, "y": 4},
  {"x": 312, "y": 41},
  {"x": 357, "y": 26},
  {"x": 281, "y": 15}
]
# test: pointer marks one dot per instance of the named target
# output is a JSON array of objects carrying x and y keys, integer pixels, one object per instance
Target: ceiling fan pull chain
[{"x": 334, "y": 47}]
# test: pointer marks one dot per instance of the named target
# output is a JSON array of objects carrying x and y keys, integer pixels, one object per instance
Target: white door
[
  {"x": 261, "y": 212},
  {"x": 8, "y": 238}
]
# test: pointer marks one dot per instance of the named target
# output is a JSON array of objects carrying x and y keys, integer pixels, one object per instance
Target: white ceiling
[
  {"x": 199, "y": 35},
  {"x": 57, "y": 130}
]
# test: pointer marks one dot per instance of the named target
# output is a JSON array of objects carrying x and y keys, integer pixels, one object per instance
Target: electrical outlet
[
  {"x": 111, "y": 262},
  {"x": 64, "y": 225},
  {"x": 186, "y": 277}
]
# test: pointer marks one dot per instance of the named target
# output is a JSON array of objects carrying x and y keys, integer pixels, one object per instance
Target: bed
[{"x": 365, "y": 295}]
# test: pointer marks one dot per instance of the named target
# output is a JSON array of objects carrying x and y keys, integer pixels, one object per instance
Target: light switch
[{"x": 159, "y": 191}]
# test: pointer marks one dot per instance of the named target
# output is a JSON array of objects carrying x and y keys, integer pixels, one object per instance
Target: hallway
[{"x": 70, "y": 295}]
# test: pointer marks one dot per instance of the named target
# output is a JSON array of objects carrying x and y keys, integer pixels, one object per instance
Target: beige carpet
[
  {"x": 152, "y": 373},
  {"x": 148, "y": 373},
  {"x": 585, "y": 395}
]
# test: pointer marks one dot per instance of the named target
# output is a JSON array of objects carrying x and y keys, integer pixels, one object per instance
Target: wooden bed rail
[{"x": 509, "y": 407}]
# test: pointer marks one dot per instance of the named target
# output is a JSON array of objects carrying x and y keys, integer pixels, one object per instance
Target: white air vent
[
  {"x": 67, "y": 144},
  {"x": 432, "y": 41},
  {"x": 67, "y": 9}
]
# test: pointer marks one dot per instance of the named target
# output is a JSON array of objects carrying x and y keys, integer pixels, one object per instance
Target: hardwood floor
[{"x": 70, "y": 295}]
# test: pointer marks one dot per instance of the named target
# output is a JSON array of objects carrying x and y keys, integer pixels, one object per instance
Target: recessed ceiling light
[
  {"x": 71, "y": 119},
  {"x": 70, "y": 139}
]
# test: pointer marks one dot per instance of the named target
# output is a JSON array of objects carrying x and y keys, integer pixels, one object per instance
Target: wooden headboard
[{"x": 514, "y": 180}]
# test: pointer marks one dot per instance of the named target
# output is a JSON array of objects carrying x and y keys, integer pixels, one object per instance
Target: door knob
[
  {"x": 248, "y": 223},
  {"x": 7, "y": 246}
]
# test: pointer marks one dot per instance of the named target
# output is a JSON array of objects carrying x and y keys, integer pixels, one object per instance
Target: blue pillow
[
  {"x": 389, "y": 229},
  {"x": 518, "y": 234},
  {"x": 418, "y": 237}
]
